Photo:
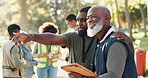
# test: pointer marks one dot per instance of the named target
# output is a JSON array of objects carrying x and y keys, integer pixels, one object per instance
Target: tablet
[{"x": 77, "y": 68}]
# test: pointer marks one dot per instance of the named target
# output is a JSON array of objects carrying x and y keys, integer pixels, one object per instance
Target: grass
[
  {"x": 146, "y": 72},
  {"x": 144, "y": 43},
  {"x": 144, "y": 40}
]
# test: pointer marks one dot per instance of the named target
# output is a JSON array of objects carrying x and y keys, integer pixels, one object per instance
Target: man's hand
[
  {"x": 27, "y": 63},
  {"x": 55, "y": 56},
  {"x": 122, "y": 36},
  {"x": 74, "y": 75},
  {"x": 22, "y": 38},
  {"x": 43, "y": 55}
]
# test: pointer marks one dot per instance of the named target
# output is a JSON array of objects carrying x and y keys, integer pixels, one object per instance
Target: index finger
[
  {"x": 15, "y": 40},
  {"x": 15, "y": 34}
]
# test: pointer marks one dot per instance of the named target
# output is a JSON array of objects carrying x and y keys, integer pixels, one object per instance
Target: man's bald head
[{"x": 103, "y": 11}]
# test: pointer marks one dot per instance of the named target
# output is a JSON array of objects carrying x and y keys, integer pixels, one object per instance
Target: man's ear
[{"x": 107, "y": 18}]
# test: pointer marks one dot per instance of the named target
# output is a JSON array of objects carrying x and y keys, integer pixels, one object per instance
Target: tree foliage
[{"x": 30, "y": 14}]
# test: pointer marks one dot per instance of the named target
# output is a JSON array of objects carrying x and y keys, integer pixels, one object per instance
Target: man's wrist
[{"x": 32, "y": 37}]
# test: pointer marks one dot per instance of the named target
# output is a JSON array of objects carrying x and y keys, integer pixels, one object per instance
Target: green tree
[
  {"x": 143, "y": 18},
  {"x": 61, "y": 8},
  {"x": 23, "y": 14},
  {"x": 9, "y": 13},
  {"x": 127, "y": 15},
  {"x": 117, "y": 11},
  {"x": 38, "y": 13}
]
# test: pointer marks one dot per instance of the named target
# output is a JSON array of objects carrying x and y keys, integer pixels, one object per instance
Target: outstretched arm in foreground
[{"x": 45, "y": 38}]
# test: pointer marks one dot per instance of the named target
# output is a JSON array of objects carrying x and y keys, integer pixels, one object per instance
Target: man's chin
[{"x": 82, "y": 33}]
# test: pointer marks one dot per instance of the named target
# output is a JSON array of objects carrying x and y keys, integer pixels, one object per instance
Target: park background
[{"x": 128, "y": 16}]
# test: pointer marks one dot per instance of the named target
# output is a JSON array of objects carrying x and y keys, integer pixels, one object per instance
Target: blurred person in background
[
  {"x": 13, "y": 63},
  {"x": 26, "y": 54},
  {"x": 47, "y": 55},
  {"x": 71, "y": 22}
]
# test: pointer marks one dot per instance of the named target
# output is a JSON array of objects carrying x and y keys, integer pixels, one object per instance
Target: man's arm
[
  {"x": 122, "y": 36},
  {"x": 45, "y": 38},
  {"x": 16, "y": 58},
  {"x": 116, "y": 59}
]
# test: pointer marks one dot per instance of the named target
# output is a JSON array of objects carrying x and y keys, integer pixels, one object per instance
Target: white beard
[{"x": 97, "y": 27}]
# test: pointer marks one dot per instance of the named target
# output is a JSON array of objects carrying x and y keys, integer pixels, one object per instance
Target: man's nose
[{"x": 89, "y": 20}]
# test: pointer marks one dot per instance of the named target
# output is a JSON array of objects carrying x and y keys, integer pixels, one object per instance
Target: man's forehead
[
  {"x": 81, "y": 15},
  {"x": 93, "y": 11}
]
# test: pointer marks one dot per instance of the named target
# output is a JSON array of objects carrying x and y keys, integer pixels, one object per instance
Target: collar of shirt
[{"x": 109, "y": 31}]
